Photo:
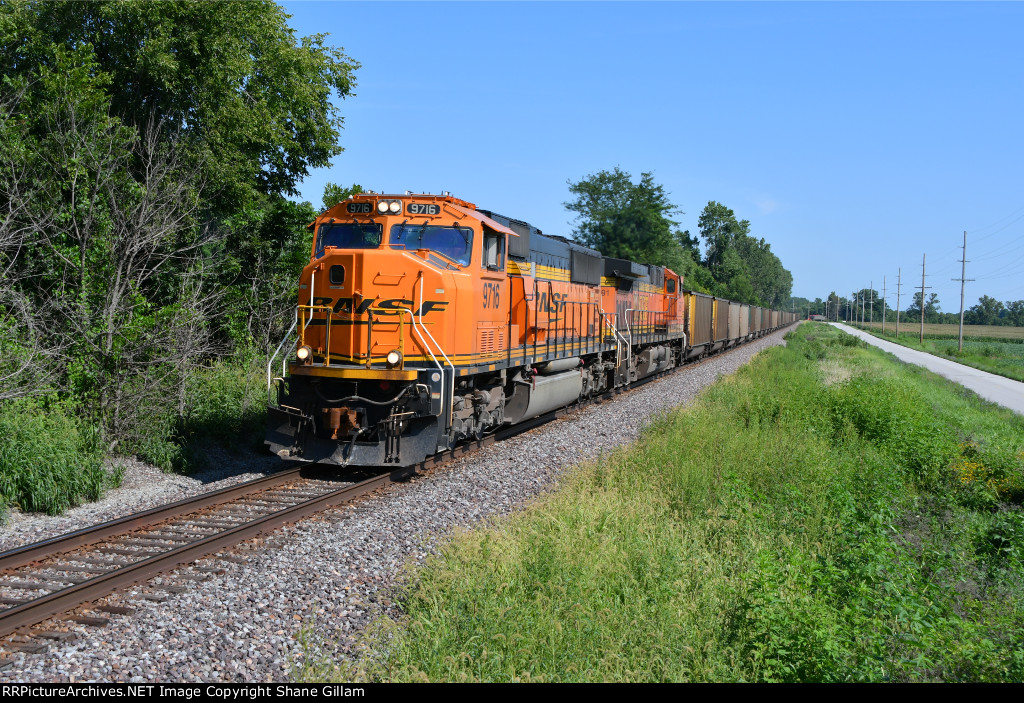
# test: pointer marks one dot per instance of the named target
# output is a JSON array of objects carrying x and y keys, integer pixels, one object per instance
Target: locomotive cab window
[
  {"x": 454, "y": 243},
  {"x": 670, "y": 285},
  {"x": 347, "y": 235},
  {"x": 494, "y": 250}
]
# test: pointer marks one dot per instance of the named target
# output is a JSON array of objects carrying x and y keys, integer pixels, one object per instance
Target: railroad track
[
  {"x": 52, "y": 577},
  {"x": 46, "y": 579}
]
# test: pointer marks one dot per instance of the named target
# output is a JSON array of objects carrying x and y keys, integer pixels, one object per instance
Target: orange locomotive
[{"x": 423, "y": 321}]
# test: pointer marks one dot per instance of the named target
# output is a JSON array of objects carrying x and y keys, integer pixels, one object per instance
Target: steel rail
[
  {"x": 29, "y": 553},
  {"x": 37, "y": 610}
]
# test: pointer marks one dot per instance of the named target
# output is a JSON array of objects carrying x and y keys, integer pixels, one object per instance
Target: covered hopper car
[{"x": 423, "y": 321}]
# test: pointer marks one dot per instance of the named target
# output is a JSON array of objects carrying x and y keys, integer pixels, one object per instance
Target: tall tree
[
  {"x": 1015, "y": 312},
  {"x": 230, "y": 80},
  {"x": 145, "y": 152},
  {"x": 628, "y": 220},
  {"x": 833, "y": 306},
  {"x": 932, "y": 308},
  {"x": 771, "y": 282},
  {"x": 720, "y": 229},
  {"x": 114, "y": 268},
  {"x": 334, "y": 193},
  {"x": 763, "y": 279},
  {"x": 987, "y": 312}
]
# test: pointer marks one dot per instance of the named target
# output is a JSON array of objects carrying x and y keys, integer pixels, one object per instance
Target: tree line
[
  {"x": 148, "y": 155},
  {"x": 633, "y": 220},
  {"x": 987, "y": 311}
]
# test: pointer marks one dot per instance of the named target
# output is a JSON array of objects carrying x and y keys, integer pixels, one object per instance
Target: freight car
[{"x": 423, "y": 321}]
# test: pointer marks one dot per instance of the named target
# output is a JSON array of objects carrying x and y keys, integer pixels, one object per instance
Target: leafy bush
[
  {"x": 892, "y": 415},
  {"x": 225, "y": 405}
]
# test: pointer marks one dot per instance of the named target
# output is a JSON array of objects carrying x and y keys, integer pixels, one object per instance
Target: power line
[
  {"x": 997, "y": 231},
  {"x": 923, "y": 286},
  {"x": 963, "y": 279},
  {"x": 999, "y": 252},
  {"x": 883, "y": 305},
  {"x": 899, "y": 280},
  {"x": 997, "y": 222}
]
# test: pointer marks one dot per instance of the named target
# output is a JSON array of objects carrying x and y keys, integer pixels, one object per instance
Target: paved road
[{"x": 998, "y": 389}]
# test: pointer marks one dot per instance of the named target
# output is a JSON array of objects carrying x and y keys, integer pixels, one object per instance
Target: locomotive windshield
[
  {"x": 347, "y": 235},
  {"x": 455, "y": 243}
]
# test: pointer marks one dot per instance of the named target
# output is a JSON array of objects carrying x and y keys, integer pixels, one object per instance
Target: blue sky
[{"x": 854, "y": 136}]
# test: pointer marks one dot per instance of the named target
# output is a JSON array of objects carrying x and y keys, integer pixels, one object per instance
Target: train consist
[{"x": 424, "y": 321}]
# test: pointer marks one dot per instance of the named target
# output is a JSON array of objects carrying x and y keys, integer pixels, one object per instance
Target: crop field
[
  {"x": 982, "y": 349},
  {"x": 912, "y": 329},
  {"x": 825, "y": 514}
]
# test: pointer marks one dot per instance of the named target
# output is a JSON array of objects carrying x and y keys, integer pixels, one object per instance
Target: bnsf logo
[
  {"x": 392, "y": 306},
  {"x": 556, "y": 304}
]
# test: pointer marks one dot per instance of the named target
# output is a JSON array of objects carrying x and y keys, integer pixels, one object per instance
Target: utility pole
[
  {"x": 863, "y": 307},
  {"x": 883, "y": 306},
  {"x": 963, "y": 279},
  {"x": 923, "y": 286},
  {"x": 872, "y": 289},
  {"x": 899, "y": 280}
]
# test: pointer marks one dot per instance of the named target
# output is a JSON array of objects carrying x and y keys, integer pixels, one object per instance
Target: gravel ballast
[{"x": 239, "y": 615}]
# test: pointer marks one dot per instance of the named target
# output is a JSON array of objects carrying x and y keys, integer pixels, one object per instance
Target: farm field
[
  {"x": 825, "y": 514},
  {"x": 912, "y": 329},
  {"x": 998, "y": 350}
]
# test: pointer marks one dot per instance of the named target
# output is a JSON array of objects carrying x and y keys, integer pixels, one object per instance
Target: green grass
[
  {"x": 825, "y": 514},
  {"x": 49, "y": 459},
  {"x": 1004, "y": 357}
]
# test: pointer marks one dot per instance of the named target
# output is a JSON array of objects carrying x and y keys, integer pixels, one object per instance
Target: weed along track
[{"x": 237, "y": 615}]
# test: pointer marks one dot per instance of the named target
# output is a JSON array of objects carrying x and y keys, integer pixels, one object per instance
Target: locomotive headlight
[
  {"x": 304, "y": 353},
  {"x": 395, "y": 206},
  {"x": 394, "y": 357},
  {"x": 382, "y": 207}
]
